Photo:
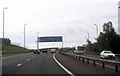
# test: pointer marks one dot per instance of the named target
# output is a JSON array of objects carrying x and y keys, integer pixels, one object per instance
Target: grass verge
[{"x": 14, "y": 49}]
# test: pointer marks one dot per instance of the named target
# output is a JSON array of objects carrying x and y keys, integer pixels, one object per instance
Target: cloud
[{"x": 69, "y": 18}]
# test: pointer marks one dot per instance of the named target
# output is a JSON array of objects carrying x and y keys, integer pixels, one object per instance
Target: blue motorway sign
[{"x": 50, "y": 39}]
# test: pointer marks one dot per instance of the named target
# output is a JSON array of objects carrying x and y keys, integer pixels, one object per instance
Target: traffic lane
[
  {"x": 10, "y": 63},
  {"x": 42, "y": 64},
  {"x": 77, "y": 67}
]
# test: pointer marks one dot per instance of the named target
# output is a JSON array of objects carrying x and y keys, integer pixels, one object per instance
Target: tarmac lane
[{"x": 32, "y": 64}]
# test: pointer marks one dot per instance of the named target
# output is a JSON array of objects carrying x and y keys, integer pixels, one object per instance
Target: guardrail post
[
  {"x": 79, "y": 58},
  {"x": 116, "y": 68},
  {"x": 73, "y": 57},
  {"x": 103, "y": 65},
  {"x": 76, "y": 57},
  {"x": 83, "y": 59},
  {"x": 94, "y": 62},
  {"x": 88, "y": 61}
]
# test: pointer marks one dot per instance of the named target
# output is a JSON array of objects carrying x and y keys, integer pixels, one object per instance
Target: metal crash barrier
[{"x": 94, "y": 60}]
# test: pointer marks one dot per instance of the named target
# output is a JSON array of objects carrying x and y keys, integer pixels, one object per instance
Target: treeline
[{"x": 107, "y": 40}]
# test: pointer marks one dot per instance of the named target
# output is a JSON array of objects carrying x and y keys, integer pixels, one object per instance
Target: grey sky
[{"x": 70, "y": 18}]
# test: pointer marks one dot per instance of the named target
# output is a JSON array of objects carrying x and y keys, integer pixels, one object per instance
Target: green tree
[
  {"x": 107, "y": 40},
  {"x": 89, "y": 46}
]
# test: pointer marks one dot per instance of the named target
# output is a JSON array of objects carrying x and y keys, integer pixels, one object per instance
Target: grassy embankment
[{"x": 14, "y": 49}]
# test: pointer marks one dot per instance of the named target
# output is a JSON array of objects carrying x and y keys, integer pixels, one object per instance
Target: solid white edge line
[
  {"x": 62, "y": 66},
  {"x": 28, "y": 59},
  {"x": 19, "y": 65}
]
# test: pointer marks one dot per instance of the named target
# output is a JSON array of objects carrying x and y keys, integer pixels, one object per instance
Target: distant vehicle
[
  {"x": 107, "y": 54},
  {"x": 79, "y": 50},
  {"x": 44, "y": 51},
  {"x": 36, "y": 52},
  {"x": 53, "y": 50}
]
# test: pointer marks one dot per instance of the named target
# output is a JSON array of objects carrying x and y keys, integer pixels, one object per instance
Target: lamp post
[
  {"x": 37, "y": 41},
  {"x": 3, "y": 23},
  {"x": 88, "y": 35},
  {"x": 24, "y": 35},
  {"x": 96, "y": 29}
]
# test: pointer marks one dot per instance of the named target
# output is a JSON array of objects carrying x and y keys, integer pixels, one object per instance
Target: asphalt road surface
[
  {"x": 31, "y": 64},
  {"x": 45, "y": 63}
]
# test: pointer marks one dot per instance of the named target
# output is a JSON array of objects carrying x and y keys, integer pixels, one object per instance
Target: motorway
[
  {"x": 45, "y": 63},
  {"x": 31, "y": 64}
]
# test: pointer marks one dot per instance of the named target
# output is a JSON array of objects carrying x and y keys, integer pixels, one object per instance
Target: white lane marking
[
  {"x": 33, "y": 57},
  {"x": 28, "y": 59},
  {"x": 19, "y": 65},
  {"x": 6, "y": 57},
  {"x": 15, "y": 55},
  {"x": 62, "y": 66}
]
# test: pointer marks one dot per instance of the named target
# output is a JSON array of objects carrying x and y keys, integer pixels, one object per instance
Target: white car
[
  {"x": 107, "y": 54},
  {"x": 79, "y": 52},
  {"x": 52, "y": 50}
]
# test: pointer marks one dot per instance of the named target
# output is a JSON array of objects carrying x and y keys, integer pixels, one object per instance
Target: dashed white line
[
  {"x": 62, "y": 66},
  {"x": 6, "y": 57},
  {"x": 19, "y": 65},
  {"x": 28, "y": 59},
  {"x": 33, "y": 57}
]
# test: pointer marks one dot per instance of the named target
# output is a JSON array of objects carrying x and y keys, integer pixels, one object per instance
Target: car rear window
[{"x": 108, "y": 52}]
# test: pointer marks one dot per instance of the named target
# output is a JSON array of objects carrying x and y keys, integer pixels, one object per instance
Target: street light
[
  {"x": 3, "y": 22},
  {"x": 24, "y": 35},
  {"x": 96, "y": 29},
  {"x": 37, "y": 41},
  {"x": 88, "y": 34}
]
